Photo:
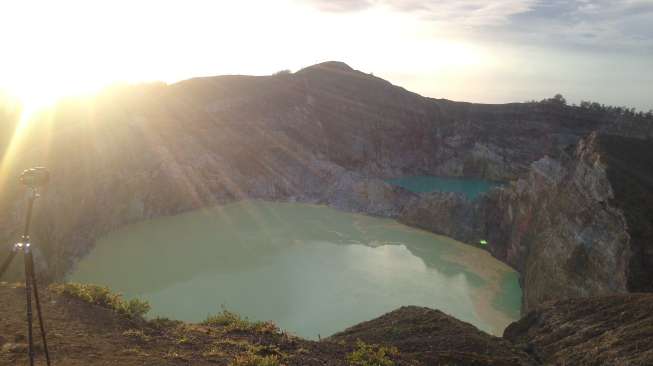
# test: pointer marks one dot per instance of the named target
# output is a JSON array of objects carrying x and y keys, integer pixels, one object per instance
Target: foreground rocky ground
[{"x": 614, "y": 330}]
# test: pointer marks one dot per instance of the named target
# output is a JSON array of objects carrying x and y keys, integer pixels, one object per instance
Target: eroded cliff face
[{"x": 558, "y": 228}]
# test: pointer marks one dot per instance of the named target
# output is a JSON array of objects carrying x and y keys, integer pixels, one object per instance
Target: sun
[
  {"x": 38, "y": 86},
  {"x": 36, "y": 97}
]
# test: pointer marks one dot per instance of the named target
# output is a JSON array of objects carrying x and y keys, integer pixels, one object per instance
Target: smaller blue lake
[{"x": 472, "y": 188}]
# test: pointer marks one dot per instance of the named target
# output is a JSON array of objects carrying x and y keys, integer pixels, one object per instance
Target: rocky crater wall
[{"x": 329, "y": 134}]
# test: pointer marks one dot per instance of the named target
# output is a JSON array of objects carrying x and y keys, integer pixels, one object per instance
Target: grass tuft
[
  {"x": 251, "y": 359},
  {"x": 234, "y": 322}
]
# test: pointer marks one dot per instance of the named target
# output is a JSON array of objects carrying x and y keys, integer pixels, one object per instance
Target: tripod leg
[
  {"x": 7, "y": 262},
  {"x": 38, "y": 307},
  {"x": 28, "y": 293}
]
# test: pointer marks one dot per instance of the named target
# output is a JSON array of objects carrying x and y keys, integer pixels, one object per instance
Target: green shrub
[
  {"x": 371, "y": 355},
  {"x": 135, "y": 307},
  {"x": 92, "y": 294},
  {"x": 226, "y": 318},
  {"x": 102, "y": 296},
  {"x": 234, "y": 322}
]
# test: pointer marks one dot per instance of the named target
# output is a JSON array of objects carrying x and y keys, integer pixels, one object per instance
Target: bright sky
[{"x": 473, "y": 50}]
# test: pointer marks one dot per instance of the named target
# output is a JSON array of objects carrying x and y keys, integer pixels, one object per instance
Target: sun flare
[{"x": 74, "y": 47}]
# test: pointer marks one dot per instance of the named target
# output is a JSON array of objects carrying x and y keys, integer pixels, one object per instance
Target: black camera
[{"x": 35, "y": 177}]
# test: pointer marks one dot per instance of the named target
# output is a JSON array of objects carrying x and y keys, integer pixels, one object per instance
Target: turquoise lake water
[
  {"x": 311, "y": 269},
  {"x": 423, "y": 184}
]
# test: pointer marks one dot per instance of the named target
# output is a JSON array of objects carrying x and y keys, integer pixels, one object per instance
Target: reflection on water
[
  {"x": 422, "y": 184},
  {"x": 311, "y": 269}
]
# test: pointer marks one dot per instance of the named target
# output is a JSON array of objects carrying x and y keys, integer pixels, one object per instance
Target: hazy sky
[{"x": 475, "y": 50}]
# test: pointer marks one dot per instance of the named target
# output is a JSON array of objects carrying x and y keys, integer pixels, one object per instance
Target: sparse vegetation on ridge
[
  {"x": 599, "y": 108},
  {"x": 103, "y": 296}
]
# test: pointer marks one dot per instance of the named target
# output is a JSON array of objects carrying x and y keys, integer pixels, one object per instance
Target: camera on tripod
[{"x": 33, "y": 178}]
